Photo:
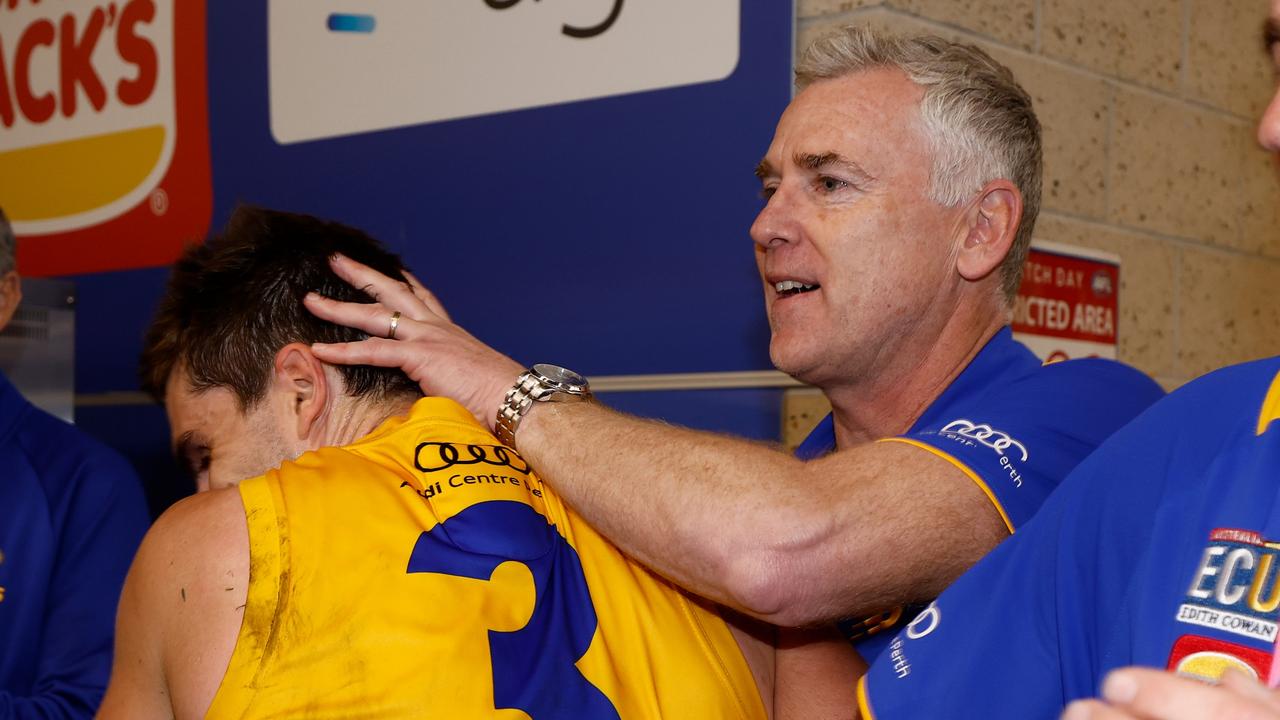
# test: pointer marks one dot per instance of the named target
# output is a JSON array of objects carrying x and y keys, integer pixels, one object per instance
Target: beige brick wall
[{"x": 1148, "y": 109}]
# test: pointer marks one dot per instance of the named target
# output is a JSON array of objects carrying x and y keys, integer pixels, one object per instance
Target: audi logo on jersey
[
  {"x": 435, "y": 456},
  {"x": 984, "y": 434}
]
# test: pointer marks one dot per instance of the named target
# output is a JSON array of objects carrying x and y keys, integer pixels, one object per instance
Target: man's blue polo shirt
[
  {"x": 71, "y": 517},
  {"x": 1162, "y": 549},
  {"x": 1014, "y": 426}
]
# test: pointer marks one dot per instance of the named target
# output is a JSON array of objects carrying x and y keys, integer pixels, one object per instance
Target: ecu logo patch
[{"x": 1236, "y": 587}]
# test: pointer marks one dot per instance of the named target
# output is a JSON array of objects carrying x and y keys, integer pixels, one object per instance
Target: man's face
[
  {"x": 1269, "y": 126},
  {"x": 220, "y": 444},
  {"x": 848, "y": 214}
]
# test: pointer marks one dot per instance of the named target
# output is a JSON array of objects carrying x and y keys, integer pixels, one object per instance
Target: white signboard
[{"x": 340, "y": 68}]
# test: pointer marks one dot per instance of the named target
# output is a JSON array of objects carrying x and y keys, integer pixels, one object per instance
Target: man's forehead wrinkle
[{"x": 842, "y": 131}]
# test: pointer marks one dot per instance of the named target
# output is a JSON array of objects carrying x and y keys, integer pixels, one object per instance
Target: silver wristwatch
[{"x": 540, "y": 383}]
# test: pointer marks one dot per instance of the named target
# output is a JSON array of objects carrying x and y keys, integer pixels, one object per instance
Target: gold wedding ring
[{"x": 395, "y": 323}]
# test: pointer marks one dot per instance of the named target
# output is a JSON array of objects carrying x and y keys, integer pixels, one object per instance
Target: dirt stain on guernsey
[{"x": 261, "y": 626}]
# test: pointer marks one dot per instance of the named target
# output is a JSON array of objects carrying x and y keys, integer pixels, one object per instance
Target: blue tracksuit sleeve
[{"x": 80, "y": 532}]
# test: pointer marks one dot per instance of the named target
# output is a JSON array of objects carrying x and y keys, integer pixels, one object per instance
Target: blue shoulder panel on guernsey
[{"x": 1159, "y": 550}]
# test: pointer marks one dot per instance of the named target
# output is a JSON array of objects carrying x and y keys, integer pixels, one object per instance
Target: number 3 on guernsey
[{"x": 534, "y": 667}]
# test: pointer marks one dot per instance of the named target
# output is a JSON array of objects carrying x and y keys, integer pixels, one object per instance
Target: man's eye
[
  {"x": 767, "y": 192},
  {"x": 830, "y": 184}
]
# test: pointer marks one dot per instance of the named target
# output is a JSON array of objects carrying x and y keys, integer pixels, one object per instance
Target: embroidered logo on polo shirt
[
  {"x": 984, "y": 434},
  {"x": 1235, "y": 588},
  {"x": 1206, "y": 659}
]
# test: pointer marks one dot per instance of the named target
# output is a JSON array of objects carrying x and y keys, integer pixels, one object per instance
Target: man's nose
[
  {"x": 1269, "y": 126},
  {"x": 776, "y": 224}
]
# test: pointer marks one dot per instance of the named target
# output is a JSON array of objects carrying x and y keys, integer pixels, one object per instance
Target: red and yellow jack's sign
[{"x": 104, "y": 140}]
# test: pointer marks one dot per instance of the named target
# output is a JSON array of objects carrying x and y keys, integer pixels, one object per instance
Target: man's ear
[
  {"x": 10, "y": 296},
  {"x": 993, "y": 224},
  {"x": 300, "y": 380}
]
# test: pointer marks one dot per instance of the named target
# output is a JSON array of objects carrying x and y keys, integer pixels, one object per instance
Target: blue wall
[{"x": 607, "y": 235}]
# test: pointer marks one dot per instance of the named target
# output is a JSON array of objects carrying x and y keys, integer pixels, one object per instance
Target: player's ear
[
  {"x": 992, "y": 226},
  {"x": 299, "y": 379},
  {"x": 10, "y": 296}
]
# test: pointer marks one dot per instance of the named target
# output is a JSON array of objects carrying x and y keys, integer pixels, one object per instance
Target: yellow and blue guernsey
[
  {"x": 424, "y": 571},
  {"x": 1016, "y": 428},
  {"x": 1160, "y": 550}
]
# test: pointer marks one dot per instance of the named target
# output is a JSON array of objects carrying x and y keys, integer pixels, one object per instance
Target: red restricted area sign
[
  {"x": 104, "y": 149},
  {"x": 1068, "y": 302}
]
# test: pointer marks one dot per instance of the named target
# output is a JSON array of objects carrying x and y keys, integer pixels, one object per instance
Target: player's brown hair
[{"x": 235, "y": 300}]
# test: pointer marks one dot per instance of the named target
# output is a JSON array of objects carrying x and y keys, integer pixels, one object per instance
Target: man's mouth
[{"x": 787, "y": 288}]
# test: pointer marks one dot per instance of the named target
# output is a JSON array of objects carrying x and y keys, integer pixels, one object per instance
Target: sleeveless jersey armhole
[
  {"x": 734, "y": 672},
  {"x": 268, "y": 580}
]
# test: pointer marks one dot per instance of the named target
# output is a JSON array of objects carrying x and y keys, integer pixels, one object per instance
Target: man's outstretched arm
[
  {"x": 787, "y": 541},
  {"x": 740, "y": 523}
]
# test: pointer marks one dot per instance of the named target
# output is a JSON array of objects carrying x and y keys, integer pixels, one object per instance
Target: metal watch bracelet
[{"x": 514, "y": 406}]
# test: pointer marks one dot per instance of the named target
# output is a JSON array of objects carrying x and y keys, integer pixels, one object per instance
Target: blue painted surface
[{"x": 607, "y": 235}]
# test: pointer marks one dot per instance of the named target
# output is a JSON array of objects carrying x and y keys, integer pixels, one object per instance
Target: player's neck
[
  {"x": 889, "y": 400},
  {"x": 353, "y": 418}
]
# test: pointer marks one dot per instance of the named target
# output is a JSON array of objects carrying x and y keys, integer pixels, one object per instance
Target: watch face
[{"x": 559, "y": 375}]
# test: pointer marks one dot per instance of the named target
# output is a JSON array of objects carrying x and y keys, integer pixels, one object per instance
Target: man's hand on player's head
[
  {"x": 439, "y": 355},
  {"x": 1145, "y": 694}
]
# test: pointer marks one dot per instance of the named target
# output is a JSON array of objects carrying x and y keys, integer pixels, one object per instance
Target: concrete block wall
[{"x": 1149, "y": 111}]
